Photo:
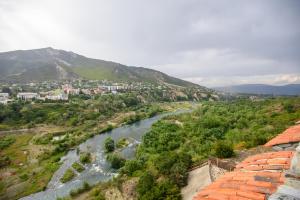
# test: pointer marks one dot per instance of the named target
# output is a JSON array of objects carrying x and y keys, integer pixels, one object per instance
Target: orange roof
[
  {"x": 255, "y": 178},
  {"x": 290, "y": 135}
]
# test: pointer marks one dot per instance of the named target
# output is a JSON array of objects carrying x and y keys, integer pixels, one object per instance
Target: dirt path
[
  {"x": 40, "y": 128},
  {"x": 14, "y": 131}
]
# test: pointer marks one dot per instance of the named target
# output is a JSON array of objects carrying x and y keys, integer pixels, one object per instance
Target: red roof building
[
  {"x": 255, "y": 178},
  {"x": 286, "y": 139},
  {"x": 272, "y": 175}
]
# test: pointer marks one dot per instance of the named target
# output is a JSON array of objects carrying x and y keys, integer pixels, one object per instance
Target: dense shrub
[
  {"x": 85, "y": 157},
  {"x": 131, "y": 166},
  {"x": 109, "y": 144},
  {"x": 115, "y": 160},
  {"x": 24, "y": 177},
  {"x": 179, "y": 174},
  {"x": 224, "y": 150},
  {"x": 149, "y": 189},
  {"x": 97, "y": 194},
  {"x": 78, "y": 167},
  {"x": 289, "y": 107},
  {"x": 6, "y": 141},
  {"x": 166, "y": 189},
  {"x": 85, "y": 187},
  {"x": 68, "y": 175},
  {"x": 164, "y": 136},
  {"x": 146, "y": 183},
  {"x": 165, "y": 161},
  {"x": 123, "y": 142},
  {"x": 4, "y": 161}
]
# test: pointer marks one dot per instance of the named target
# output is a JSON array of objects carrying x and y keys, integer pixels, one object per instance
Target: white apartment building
[{"x": 27, "y": 95}]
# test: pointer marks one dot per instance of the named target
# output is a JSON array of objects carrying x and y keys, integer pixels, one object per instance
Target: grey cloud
[{"x": 185, "y": 38}]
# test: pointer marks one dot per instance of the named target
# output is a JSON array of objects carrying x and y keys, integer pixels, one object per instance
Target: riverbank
[
  {"x": 99, "y": 169},
  {"x": 32, "y": 164}
]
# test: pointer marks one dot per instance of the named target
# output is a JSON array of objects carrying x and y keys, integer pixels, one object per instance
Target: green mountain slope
[{"x": 53, "y": 64}]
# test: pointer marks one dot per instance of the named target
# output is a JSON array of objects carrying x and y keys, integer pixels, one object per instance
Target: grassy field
[
  {"x": 95, "y": 73},
  {"x": 27, "y": 171}
]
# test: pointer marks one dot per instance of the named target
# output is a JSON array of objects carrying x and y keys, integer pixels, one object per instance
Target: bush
[
  {"x": 179, "y": 174},
  {"x": 109, "y": 144},
  {"x": 289, "y": 107},
  {"x": 165, "y": 161},
  {"x": 97, "y": 194},
  {"x": 109, "y": 127},
  {"x": 146, "y": 183},
  {"x": 164, "y": 136},
  {"x": 4, "y": 161},
  {"x": 148, "y": 189},
  {"x": 69, "y": 175},
  {"x": 131, "y": 166},
  {"x": 6, "y": 142},
  {"x": 85, "y": 187},
  {"x": 166, "y": 189},
  {"x": 260, "y": 140},
  {"x": 123, "y": 142},
  {"x": 78, "y": 167},
  {"x": 24, "y": 177},
  {"x": 116, "y": 161},
  {"x": 85, "y": 158},
  {"x": 224, "y": 150}
]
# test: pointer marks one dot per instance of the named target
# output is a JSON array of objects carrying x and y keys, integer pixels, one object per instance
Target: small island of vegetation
[
  {"x": 68, "y": 175},
  {"x": 78, "y": 167}
]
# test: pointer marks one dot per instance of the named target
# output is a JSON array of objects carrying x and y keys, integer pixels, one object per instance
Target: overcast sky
[{"x": 213, "y": 43}]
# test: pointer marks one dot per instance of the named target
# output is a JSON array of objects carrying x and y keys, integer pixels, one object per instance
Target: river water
[{"x": 99, "y": 170}]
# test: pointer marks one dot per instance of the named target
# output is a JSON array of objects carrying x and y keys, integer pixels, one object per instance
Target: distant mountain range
[
  {"x": 52, "y": 64},
  {"x": 291, "y": 89}
]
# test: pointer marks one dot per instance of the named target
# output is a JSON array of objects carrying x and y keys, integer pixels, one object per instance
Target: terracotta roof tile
[
  {"x": 290, "y": 135},
  {"x": 253, "y": 179},
  {"x": 238, "y": 198},
  {"x": 271, "y": 161}
]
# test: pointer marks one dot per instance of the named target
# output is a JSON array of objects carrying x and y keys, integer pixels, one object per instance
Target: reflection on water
[{"x": 99, "y": 170}]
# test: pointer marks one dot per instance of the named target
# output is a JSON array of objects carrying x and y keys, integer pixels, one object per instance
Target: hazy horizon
[{"x": 211, "y": 43}]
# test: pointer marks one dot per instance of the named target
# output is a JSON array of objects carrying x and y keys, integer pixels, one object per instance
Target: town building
[
  {"x": 68, "y": 89},
  {"x": 61, "y": 96},
  {"x": 27, "y": 96},
  {"x": 4, "y": 98},
  {"x": 5, "y": 95}
]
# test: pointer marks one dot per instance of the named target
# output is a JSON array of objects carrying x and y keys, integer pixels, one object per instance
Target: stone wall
[
  {"x": 291, "y": 188},
  {"x": 286, "y": 147}
]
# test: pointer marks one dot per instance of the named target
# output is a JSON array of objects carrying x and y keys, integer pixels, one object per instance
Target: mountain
[
  {"x": 291, "y": 89},
  {"x": 52, "y": 64}
]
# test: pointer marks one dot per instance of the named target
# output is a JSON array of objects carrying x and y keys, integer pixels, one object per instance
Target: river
[{"x": 99, "y": 170}]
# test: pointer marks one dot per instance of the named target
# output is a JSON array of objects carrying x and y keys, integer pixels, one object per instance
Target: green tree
[
  {"x": 146, "y": 183},
  {"x": 85, "y": 157},
  {"x": 165, "y": 161},
  {"x": 116, "y": 161},
  {"x": 168, "y": 190},
  {"x": 109, "y": 144},
  {"x": 131, "y": 166},
  {"x": 179, "y": 174},
  {"x": 289, "y": 107}
]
